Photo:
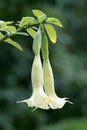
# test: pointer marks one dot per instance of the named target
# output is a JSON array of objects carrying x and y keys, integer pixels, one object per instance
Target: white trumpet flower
[
  {"x": 49, "y": 87},
  {"x": 38, "y": 99}
]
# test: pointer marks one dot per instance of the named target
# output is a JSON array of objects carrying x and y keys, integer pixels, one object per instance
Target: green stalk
[
  {"x": 47, "y": 70},
  {"x": 45, "y": 51}
]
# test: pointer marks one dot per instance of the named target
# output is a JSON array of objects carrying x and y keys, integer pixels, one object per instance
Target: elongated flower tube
[
  {"x": 49, "y": 79},
  {"x": 38, "y": 99}
]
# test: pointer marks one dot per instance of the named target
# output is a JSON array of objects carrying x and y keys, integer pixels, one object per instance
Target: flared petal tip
[
  {"x": 28, "y": 102},
  {"x": 22, "y": 101},
  {"x": 59, "y": 103},
  {"x": 19, "y": 101},
  {"x": 69, "y": 102},
  {"x": 66, "y": 99}
]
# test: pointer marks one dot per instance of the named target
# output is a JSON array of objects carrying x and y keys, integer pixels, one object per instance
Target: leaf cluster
[
  {"x": 30, "y": 24},
  {"x": 28, "y": 27}
]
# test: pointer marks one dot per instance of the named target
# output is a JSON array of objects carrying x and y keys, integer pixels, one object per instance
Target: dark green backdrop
[{"x": 69, "y": 62}]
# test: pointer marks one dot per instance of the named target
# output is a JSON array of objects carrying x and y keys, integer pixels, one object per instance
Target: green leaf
[
  {"x": 8, "y": 22},
  {"x": 21, "y": 33},
  {"x": 27, "y": 21},
  {"x": 11, "y": 29},
  {"x": 1, "y": 36},
  {"x": 2, "y": 26},
  {"x": 31, "y": 32},
  {"x": 8, "y": 29},
  {"x": 13, "y": 43},
  {"x": 55, "y": 21},
  {"x": 40, "y": 15},
  {"x": 51, "y": 33}
]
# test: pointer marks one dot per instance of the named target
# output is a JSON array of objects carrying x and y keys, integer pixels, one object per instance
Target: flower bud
[{"x": 49, "y": 79}]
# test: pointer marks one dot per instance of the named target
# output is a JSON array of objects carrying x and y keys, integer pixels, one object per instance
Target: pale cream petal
[
  {"x": 28, "y": 101},
  {"x": 58, "y": 102},
  {"x": 38, "y": 100}
]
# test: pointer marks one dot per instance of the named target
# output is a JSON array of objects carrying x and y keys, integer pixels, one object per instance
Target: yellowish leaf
[{"x": 51, "y": 33}]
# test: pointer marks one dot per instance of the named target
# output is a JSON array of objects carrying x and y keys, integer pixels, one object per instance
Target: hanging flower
[
  {"x": 38, "y": 99},
  {"x": 46, "y": 97},
  {"x": 49, "y": 79}
]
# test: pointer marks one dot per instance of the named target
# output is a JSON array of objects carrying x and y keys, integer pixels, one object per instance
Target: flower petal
[
  {"x": 58, "y": 102},
  {"x": 28, "y": 101},
  {"x": 39, "y": 101}
]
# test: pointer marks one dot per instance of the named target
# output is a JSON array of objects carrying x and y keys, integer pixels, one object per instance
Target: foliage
[
  {"x": 9, "y": 30},
  {"x": 28, "y": 23}
]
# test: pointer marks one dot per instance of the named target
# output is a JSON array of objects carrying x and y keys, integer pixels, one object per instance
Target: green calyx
[
  {"x": 37, "y": 42},
  {"x": 45, "y": 51}
]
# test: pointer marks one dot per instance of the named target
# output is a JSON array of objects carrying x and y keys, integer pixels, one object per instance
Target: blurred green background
[{"x": 69, "y": 62}]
